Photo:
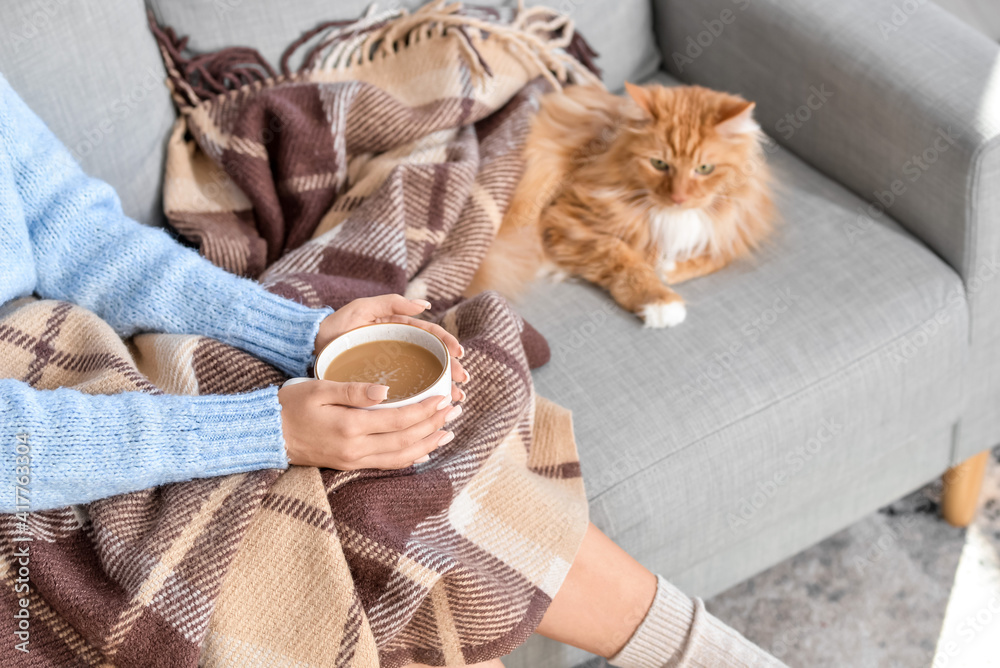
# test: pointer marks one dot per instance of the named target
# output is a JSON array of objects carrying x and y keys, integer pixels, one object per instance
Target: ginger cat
[{"x": 631, "y": 193}]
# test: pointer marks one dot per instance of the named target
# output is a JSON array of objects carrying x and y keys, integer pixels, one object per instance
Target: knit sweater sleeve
[
  {"x": 64, "y": 447},
  {"x": 135, "y": 277}
]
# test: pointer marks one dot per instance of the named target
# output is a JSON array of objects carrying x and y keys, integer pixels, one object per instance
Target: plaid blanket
[{"x": 383, "y": 165}]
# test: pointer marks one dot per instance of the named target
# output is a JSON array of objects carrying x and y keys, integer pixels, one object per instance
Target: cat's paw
[{"x": 663, "y": 314}]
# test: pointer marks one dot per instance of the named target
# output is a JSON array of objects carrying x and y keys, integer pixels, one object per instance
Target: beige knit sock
[{"x": 679, "y": 633}]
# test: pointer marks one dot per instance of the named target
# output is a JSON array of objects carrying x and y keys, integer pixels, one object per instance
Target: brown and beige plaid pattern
[{"x": 385, "y": 167}]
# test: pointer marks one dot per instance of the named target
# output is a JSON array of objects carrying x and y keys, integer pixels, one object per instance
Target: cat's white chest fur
[{"x": 679, "y": 234}]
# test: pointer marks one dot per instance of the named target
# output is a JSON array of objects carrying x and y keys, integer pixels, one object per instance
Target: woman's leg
[
  {"x": 612, "y": 606},
  {"x": 603, "y": 599}
]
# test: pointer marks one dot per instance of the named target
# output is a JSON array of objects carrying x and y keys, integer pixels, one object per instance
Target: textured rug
[{"x": 899, "y": 589}]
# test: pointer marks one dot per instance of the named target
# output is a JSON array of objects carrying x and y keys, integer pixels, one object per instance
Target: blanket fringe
[
  {"x": 541, "y": 37},
  {"x": 199, "y": 77}
]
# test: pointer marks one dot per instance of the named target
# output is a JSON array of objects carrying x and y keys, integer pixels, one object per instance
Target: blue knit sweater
[{"x": 63, "y": 236}]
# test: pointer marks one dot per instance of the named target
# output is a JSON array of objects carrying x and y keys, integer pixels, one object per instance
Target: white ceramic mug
[{"x": 390, "y": 331}]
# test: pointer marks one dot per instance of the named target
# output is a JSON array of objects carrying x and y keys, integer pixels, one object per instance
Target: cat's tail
[
  {"x": 511, "y": 263},
  {"x": 516, "y": 256}
]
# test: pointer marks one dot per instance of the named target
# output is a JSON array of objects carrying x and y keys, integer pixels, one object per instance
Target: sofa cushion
[
  {"x": 794, "y": 371},
  {"x": 91, "y": 70},
  {"x": 620, "y": 31}
]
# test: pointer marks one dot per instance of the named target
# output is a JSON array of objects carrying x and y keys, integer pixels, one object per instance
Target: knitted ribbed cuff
[
  {"x": 715, "y": 644},
  {"x": 235, "y": 433},
  {"x": 279, "y": 330},
  {"x": 662, "y": 633},
  {"x": 679, "y": 633}
]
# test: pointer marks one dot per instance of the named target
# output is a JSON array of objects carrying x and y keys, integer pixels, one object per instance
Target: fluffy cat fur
[{"x": 634, "y": 194}]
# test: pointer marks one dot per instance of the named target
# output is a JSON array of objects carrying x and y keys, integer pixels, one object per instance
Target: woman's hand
[
  {"x": 391, "y": 308},
  {"x": 323, "y": 426}
]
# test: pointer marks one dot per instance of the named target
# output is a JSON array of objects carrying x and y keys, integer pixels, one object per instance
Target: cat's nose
[{"x": 678, "y": 198}]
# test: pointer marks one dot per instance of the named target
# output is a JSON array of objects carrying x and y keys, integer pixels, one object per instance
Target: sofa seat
[{"x": 794, "y": 371}]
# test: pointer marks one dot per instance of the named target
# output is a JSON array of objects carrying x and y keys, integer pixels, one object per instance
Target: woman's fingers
[
  {"x": 396, "y": 308},
  {"x": 458, "y": 372},
  {"x": 384, "y": 421},
  {"x": 400, "y": 459},
  {"x": 356, "y": 395},
  {"x": 324, "y": 425},
  {"x": 388, "y": 420},
  {"x": 401, "y": 440},
  {"x": 388, "y": 305},
  {"x": 454, "y": 347}
]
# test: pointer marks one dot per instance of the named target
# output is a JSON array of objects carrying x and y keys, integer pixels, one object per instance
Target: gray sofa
[{"x": 854, "y": 359}]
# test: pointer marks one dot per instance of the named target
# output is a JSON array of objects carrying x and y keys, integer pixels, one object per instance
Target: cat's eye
[
  {"x": 659, "y": 164},
  {"x": 704, "y": 169}
]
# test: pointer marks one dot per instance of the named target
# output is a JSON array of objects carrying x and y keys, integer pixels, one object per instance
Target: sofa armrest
[{"x": 903, "y": 108}]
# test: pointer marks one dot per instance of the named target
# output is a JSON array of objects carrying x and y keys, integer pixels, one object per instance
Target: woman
[{"x": 63, "y": 236}]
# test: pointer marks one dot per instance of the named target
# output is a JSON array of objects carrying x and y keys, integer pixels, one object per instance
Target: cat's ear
[
  {"x": 738, "y": 120},
  {"x": 641, "y": 96}
]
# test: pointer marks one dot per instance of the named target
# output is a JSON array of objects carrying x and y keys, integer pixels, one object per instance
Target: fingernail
[
  {"x": 422, "y": 302},
  {"x": 377, "y": 392},
  {"x": 467, "y": 376},
  {"x": 445, "y": 401},
  {"x": 422, "y": 460},
  {"x": 462, "y": 348},
  {"x": 453, "y": 413},
  {"x": 448, "y": 437},
  {"x": 464, "y": 395}
]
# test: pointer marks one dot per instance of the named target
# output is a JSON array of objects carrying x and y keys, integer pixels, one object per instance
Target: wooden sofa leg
[{"x": 962, "y": 484}]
